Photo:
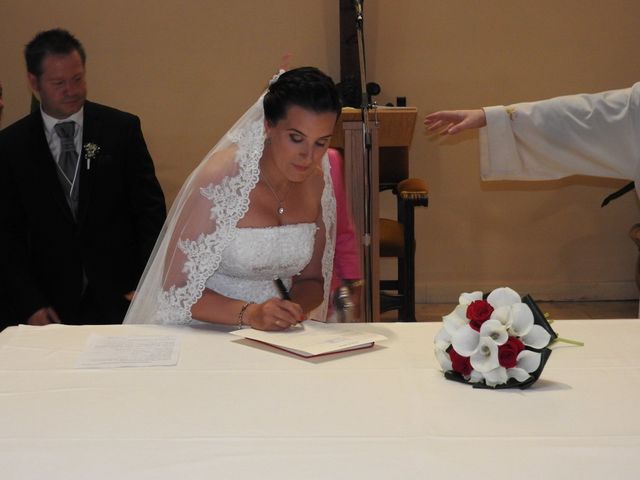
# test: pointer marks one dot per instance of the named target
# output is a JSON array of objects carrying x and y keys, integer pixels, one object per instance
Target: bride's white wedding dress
[
  {"x": 256, "y": 255},
  {"x": 201, "y": 246}
]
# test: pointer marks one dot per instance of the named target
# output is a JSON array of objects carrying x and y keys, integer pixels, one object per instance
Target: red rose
[
  {"x": 479, "y": 311},
  {"x": 460, "y": 364},
  {"x": 508, "y": 353}
]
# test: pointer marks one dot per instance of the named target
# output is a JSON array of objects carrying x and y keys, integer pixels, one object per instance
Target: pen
[
  {"x": 282, "y": 289},
  {"x": 284, "y": 293}
]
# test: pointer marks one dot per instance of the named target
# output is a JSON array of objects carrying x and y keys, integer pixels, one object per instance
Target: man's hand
[
  {"x": 44, "y": 316},
  {"x": 453, "y": 121}
]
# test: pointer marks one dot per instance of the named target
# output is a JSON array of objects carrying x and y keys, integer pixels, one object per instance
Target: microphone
[{"x": 357, "y": 4}]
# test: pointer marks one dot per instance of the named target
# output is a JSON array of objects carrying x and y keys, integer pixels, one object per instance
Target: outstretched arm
[{"x": 450, "y": 122}]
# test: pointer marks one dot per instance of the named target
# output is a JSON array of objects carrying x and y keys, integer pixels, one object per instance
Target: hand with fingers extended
[
  {"x": 274, "y": 314},
  {"x": 450, "y": 122}
]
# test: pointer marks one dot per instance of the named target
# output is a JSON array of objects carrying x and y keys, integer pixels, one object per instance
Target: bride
[{"x": 259, "y": 206}]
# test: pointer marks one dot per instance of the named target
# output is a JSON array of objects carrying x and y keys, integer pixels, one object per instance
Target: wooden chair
[{"x": 397, "y": 236}]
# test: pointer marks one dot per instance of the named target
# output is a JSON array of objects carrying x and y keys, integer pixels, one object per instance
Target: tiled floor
[{"x": 433, "y": 312}]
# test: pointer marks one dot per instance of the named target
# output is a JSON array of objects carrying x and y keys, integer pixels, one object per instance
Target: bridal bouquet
[{"x": 500, "y": 342}]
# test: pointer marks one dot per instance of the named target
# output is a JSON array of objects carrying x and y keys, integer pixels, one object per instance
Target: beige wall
[
  {"x": 189, "y": 68},
  {"x": 552, "y": 239}
]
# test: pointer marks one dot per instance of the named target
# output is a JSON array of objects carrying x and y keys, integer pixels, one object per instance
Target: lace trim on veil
[
  {"x": 328, "y": 203},
  {"x": 230, "y": 202}
]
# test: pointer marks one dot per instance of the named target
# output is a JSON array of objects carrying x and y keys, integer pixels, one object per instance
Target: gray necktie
[
  {"x": 68, "y": 156},
  {"x": 67, "y": 162}
]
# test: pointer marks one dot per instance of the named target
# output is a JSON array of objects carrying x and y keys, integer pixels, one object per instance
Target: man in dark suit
[{"x": 80, "y": 205}]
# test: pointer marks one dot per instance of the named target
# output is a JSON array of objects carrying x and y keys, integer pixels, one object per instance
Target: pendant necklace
[{"x": 280, "y": 209}]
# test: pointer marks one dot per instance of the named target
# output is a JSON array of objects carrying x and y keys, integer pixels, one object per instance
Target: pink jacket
[{"x": 346, "y": 262}]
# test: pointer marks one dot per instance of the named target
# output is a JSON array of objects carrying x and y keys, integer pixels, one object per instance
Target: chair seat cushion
[
  {"x": 413, "y": 185},
  {"x": 391, "y": 238}
]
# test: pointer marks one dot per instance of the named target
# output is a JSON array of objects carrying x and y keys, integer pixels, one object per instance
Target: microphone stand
[{"x": 366, "y": 159}]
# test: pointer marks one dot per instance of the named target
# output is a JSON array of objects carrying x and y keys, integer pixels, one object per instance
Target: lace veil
[{"x": 202, "y": 221}]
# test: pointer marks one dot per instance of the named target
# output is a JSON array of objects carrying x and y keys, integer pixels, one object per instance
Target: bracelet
[
  {"x": 353, "y": 283},
  {"x": 241, "y": 314}
]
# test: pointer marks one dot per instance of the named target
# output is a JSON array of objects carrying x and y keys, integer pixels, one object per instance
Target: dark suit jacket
[{"x": 44, "y": 251}]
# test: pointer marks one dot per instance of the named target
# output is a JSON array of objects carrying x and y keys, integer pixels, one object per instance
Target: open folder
[{"x": 315, "y": 338}]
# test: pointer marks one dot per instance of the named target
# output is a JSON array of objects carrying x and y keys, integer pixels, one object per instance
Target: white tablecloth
[{"x": 235, "y": 409}]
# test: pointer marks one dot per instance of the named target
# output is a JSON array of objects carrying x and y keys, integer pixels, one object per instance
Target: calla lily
[
  {"x": 502, "y": 315},
  {"x": 475, "y": 377},
  {"x": 468, "y": 298},
  {"x": 443, "y": 339},
  {"x": 456, "y": 319},
  {"x": 465, "y": 341},
  {"x": 444, "y": 360},
  {"x": 521, "y": 319},
  {"x": 442, "y": 342},
  {"x": 503, "y": 296},
  {"x": 485, "y": 358},
  {"x": 495, "y": 377},
  {"x": 537, "y": 337},
  {"x": 494, "y": 330},
  {"x": 528, "y": 362},
  {"x": 518, "y": 373}
]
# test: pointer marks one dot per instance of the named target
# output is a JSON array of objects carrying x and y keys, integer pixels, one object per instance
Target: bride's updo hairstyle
[{"x": 306, "y": 87}]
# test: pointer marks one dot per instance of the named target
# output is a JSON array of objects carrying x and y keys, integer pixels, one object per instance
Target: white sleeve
[{"x": 596, "y": 135}]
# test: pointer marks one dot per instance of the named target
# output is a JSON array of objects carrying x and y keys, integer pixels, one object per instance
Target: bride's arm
[
  {"x": 274, "y": 314},
  {"x": 307, "y": 289}
]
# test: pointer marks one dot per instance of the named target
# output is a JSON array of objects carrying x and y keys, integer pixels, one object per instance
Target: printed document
[{"x": 129, "y": 351}]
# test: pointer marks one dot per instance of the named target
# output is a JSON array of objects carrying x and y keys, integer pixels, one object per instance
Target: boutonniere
[
  {"x": 499, "y": 342},
  {"x": 91, "y": 150}
]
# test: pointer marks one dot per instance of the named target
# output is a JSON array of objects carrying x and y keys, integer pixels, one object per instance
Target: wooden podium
[{"x": 390, "y": 127}]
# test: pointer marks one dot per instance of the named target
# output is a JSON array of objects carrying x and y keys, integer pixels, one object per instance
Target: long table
[{"x": 232, "y": 409}]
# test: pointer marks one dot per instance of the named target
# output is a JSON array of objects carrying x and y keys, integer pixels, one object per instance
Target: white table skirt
[{"x": 235, "y": 409}]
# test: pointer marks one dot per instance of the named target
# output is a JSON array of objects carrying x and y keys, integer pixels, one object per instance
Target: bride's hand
[{"x": 274, "y": 314}]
